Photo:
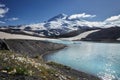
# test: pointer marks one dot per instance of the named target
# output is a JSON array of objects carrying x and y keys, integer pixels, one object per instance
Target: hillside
[{"x": 107, "y": 34}]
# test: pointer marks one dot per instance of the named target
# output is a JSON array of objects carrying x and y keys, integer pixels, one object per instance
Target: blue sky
[{"x": 35, "y": 11}]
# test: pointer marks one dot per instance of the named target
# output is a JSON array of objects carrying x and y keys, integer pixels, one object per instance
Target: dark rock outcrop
[{"x": 3, "y": 46}]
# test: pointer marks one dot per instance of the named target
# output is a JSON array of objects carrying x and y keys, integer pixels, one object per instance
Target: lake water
[{"x": 99, "y": 59}]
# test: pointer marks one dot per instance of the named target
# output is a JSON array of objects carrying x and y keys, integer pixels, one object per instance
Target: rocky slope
[{"x": 32, "y": 48}]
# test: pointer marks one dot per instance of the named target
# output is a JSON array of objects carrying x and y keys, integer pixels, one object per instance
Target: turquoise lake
[{"x": 99, "y": 59}]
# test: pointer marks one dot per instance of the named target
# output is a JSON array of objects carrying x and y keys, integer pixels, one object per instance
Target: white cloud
[
  {"x": 1, "y": 22},
  {"x": 113, "y": 21},
  {"x": 13, "y": 19},
  {"x": 3, "y": 10},
  {"x": 79, "y": 16},
  {"x": 94, "y": 24},
  {"x": 2, "y": 5},
  {"x": 109, "y": 22},
  {"x": 113, "y": 18}
]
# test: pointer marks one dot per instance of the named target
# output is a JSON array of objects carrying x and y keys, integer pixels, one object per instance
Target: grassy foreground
[{"x": 15, "y": 64}]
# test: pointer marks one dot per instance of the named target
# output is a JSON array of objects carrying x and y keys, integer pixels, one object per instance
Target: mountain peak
[{"x": 59, "y": 16}]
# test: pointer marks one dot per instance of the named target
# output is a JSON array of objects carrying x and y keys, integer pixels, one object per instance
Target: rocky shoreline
[{"x": 35, "y": 49}]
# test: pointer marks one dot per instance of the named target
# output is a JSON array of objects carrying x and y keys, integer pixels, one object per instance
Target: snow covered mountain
[
  {"x": 58, "y": 25},
  {"x": 62, "y": 24}
]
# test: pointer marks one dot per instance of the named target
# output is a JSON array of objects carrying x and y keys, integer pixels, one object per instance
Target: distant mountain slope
[{"x": 112, "y": 33}]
